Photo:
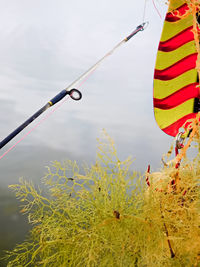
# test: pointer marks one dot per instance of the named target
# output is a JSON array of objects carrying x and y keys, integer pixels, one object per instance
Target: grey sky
[{"x": 45, "y": 45}]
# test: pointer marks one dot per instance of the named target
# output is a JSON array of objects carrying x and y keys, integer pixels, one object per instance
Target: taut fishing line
[
  {"x": 36, "y": 126},
  {"x": 156, "y": 9},
  {"x": 144, "y": 10},
  {"x": 70, "y": 90}
]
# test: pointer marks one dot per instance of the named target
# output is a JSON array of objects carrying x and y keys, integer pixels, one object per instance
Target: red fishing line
[
  {"x": 33, "y": 128},
  {"x": 156, "y": 9}
]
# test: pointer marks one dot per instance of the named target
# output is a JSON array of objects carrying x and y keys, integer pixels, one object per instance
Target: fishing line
[
  {"x": 36, "y": 126},
  {"x": 144, "y": 10},
  {"x": 88, "y": 73},
  {"x": 45, "y": 118},
  {"x": 70, "y": 90},
  {"x": 80, "y": 80},
  {"x": 156, "y": 9}
]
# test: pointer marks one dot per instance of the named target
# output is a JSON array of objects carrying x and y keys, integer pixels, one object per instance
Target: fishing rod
[{"x": 75, "y": 94}]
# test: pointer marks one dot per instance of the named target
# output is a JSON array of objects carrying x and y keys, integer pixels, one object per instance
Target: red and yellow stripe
[{"x": 176, "y": 83}]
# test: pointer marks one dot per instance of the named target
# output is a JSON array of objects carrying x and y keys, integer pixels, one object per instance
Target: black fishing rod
[
  {"x": 74, "y": 94},
  {"x": 70, "y": 90}
]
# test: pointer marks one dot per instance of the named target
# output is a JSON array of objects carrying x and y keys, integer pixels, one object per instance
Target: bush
[{"x": 105, "y": 215}]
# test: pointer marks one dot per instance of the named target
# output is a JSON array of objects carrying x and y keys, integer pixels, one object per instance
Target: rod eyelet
[{"x": 75, "y": 94}]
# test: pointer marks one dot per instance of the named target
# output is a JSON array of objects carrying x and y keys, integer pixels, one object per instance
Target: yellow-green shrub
[{"x": 105, "y": 215}]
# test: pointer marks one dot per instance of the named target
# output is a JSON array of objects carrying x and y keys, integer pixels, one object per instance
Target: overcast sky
[{"x": 44, "y": 46}]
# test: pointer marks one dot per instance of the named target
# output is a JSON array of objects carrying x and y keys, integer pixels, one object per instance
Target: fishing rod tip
[
  {"x": 139, "y": 28},
  {"x": 145, "y": 24}
]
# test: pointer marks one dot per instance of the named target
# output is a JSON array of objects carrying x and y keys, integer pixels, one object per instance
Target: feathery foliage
[{"x": 109, "y": 217}]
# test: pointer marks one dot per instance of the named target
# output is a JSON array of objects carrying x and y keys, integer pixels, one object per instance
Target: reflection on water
[
  {"x": 39, "y": 57},
  {"x": 28, "y": 162},
  {"x": 69, "y": 135},
  {"x": 13, "y": 226}
]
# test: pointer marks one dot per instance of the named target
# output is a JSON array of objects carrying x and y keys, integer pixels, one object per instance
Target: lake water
[{"x": 39, "y": 57}]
